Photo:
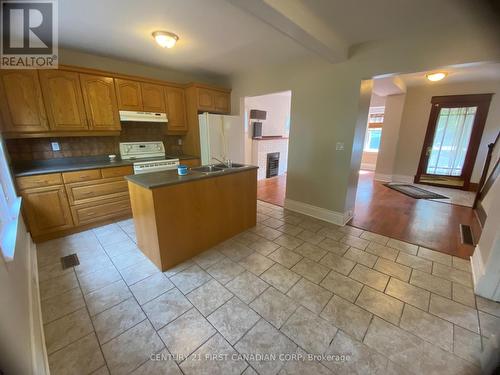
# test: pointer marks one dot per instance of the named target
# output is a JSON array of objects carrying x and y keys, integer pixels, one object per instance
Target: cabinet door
[
  {"x": 21, "y": 101},
  {"x": 176, "y": 102},
  {"x": 100, "y": 102},
  {"x": 63, "y": 99},
  {"x": 222, "y": 102},
  {"x": 153, "y": 99},
  {"x": 129, "y": 95},
  {"x": 206, "y": 100},
  {"x": 47, "y": 209}
]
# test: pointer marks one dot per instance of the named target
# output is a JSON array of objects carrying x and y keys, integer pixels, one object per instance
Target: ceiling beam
[{"x": 294, "y": 19}]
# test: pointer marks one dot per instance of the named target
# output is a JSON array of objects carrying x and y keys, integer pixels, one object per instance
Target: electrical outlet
[
  {"x": 55, "y": 146},
  {"x": 339, "y": 146}
]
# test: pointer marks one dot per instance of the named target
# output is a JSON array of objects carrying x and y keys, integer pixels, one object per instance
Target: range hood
[{"x": 143, "y": 116}]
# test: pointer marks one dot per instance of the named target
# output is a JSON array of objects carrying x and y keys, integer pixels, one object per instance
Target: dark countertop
[
  {"x": 31, "y": 168},
  {"x": 164, "y": 178}
]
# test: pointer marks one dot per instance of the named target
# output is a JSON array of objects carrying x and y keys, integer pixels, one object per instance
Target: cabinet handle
[
  {"x": 84, "y": 176},
  {"x": 88, "y": 193}
]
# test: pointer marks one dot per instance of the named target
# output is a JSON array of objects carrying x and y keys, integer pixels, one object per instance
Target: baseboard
[
  {"x": 477, "y": 266},
  {"x": 382, "y": 177},
  {"x": 38, "y": 349},
  {"x": 402, "y": 178},
  {"x": 333, "y": 217},
  {"x": 368, "y": 167}
]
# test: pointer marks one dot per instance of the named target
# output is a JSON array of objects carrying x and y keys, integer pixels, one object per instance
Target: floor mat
[{"x": 415, "y": 192}]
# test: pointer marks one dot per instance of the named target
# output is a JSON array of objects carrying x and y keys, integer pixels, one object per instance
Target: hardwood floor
[
  {"x": 272, "y": 190},
  {"x": 423, "y": 222}
]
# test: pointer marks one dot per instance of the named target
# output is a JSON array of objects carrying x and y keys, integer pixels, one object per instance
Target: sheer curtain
[{"x": 451, "y": 141}]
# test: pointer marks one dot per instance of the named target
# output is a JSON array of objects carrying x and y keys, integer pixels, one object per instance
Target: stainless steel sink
[
  {"x": 233, "y": 165},
  {"x": 208, "y": 169}
]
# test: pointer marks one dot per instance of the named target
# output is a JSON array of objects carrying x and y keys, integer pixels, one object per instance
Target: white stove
[{"x": 147, "y": 150}]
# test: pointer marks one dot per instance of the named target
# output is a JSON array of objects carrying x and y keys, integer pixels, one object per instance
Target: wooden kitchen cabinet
[
  {"x": 176, "y": 109},
  {"x": 129, "y": 95},
  {"x": 221, "y": 102},
  {"x": 40, "y": 180},
  {"x": 47, "y": 209},
  {"x": 153, "y": 99},
  {"x": 63, "y": 100},
  {"x": 21, "y": 102},
  {"x": 213, "y": 100},
  {"x": 206, "y": 100},
  {"x": 191, "y": 162},
  {"x": 105, "y": 209},
  {"x": 100, "y": 102}
]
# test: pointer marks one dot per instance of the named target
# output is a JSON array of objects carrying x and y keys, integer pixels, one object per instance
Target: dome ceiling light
[{"x": 165, "y": 39}]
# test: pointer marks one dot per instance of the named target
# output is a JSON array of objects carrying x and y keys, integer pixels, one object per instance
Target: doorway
[
  {"x": 267, "y": 128},
  {"x": 452, "y": 140}
]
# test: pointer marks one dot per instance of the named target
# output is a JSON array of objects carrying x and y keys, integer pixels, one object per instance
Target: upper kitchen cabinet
[
  {"x": 21, "y": 102},
  {"x": 152, "y": 97},
  {"x": 213, "y": 100},
  {"x": 63, "y": 100},
  {"x": 176, "y": 110},
  {"x": 129, "y": 95},
  {"x": 100, "y": 102}
]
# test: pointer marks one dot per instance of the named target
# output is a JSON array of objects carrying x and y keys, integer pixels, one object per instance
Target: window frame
[{"x": 10, "y": 206}]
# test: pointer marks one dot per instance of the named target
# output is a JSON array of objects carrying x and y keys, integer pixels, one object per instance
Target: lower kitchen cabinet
[
  {"x": 102, "y": 210},
  {"x": 47, "y": 209},
  {"x": 55, "y": 205}
]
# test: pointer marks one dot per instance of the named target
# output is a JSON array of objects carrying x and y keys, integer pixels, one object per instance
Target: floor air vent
[
  {"x": 466, "y": 235},
  {"x": 70, "y": 261}
]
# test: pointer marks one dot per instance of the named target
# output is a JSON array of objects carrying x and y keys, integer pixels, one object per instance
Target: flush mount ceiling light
[
  {"x": 165, "y": 38},
  {"x": 437, "y": 76}
]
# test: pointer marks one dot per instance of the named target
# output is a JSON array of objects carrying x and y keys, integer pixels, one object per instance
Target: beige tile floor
[{"x": 294, "y": 295}]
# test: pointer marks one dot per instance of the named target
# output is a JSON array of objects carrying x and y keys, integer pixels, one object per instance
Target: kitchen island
[{"x": 177, "y": 217}]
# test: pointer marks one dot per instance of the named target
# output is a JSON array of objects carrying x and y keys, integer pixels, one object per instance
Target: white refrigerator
[{"x": 221, "y": 137}]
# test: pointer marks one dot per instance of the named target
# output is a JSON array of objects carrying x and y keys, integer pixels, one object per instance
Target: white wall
[
  {"x": 22, "y": 348},
  {"x": 394, "y": 105},
  {"x": 415, "y": 119},
  {"x": 277, "y": 107},
  {"x": 486, "y": 257},
  {"x": 326, "y": 99}
]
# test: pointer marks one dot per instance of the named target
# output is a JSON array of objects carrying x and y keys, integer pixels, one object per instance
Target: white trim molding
[
  {"x": 402, "y": 178},
  {"x": 333, "y": 217},
  {"x": 367, "y": 166},
  {"x": 477, "y": 265},
  {"x": 383, "y": 177}
]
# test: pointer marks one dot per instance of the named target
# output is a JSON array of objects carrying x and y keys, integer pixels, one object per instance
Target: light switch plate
[
  {"x": 339, "y": 146},
  {"x": 55, "y": 146}
]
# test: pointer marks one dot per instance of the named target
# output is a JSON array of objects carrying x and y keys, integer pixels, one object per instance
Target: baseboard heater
[{"x": 466, "y": 235}]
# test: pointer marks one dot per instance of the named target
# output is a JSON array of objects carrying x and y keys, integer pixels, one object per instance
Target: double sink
[{"x": 216, "y": 168}]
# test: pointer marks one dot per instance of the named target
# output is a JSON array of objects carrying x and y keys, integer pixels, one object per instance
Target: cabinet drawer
[
  {"x": 79, "y": 176},
  {"x": 91, "y": 191},
  {"x": 105, "y": 209},
  {"x": 40, "y": 180},
  {"x": 117, "y": 171}
]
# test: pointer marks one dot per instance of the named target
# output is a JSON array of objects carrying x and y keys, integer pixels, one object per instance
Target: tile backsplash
[{"x": 40, "y": 148}]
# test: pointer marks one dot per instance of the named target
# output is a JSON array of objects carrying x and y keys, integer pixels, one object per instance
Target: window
[
  {"x": 9, "y": 208},
  {"x": 372, "y": 139}
]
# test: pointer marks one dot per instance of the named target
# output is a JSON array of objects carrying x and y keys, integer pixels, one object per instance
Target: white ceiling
[
  {"x": 217, "y": 36},
  {"x": 462, "y": 73}
]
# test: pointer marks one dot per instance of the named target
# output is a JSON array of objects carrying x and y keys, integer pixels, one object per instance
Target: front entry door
[{"x": 452, "y": 140}]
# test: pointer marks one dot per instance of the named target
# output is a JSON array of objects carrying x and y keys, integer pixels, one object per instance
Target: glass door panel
[{"x": 451, "y": 141}]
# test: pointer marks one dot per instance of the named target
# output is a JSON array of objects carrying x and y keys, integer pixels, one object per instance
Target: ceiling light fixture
[
  {"x": 165, "y": 38},
  {"x": 438, "y": 76}
]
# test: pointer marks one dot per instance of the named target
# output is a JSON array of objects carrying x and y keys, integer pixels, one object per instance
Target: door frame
[{"x": 482, "y": 102}]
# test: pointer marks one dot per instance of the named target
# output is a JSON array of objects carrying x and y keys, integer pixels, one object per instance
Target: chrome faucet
[{"x": 228, "y": 163}]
